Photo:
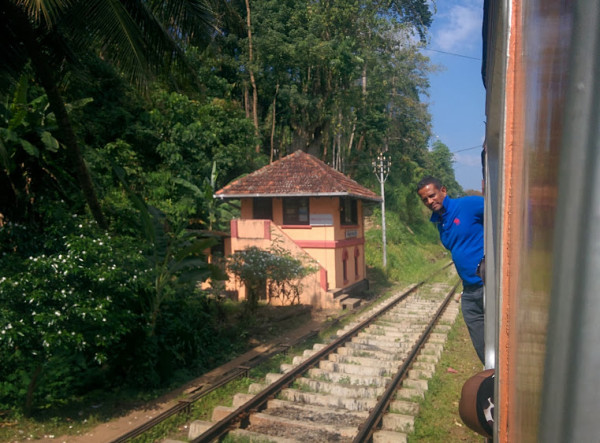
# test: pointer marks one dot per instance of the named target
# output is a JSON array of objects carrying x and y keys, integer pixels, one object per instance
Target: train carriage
[{"x": 542, "y": 177}]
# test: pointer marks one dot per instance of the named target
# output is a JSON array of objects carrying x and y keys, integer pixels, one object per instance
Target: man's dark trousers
[{"x": 472, "y": 310}]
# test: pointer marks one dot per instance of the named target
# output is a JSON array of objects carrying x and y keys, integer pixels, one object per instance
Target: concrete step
[
  {"x": 240, "y": 398},
  {"x": 351, "y": 303},
  {"x": 404, "y": 407},
  {"x": 398, "y": 422},
  {"x": 389, "y": 437},
  {"x": 198, "y": 427},
  {"x": 220, "y": 412}
]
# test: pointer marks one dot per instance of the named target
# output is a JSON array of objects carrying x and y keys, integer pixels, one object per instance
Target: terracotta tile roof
[{"x": 298, "y": 174}]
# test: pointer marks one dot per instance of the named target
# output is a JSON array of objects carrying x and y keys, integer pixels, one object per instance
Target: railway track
[
  {"x": 343, "y": 390},
  {"x": 360, "y": 387}
]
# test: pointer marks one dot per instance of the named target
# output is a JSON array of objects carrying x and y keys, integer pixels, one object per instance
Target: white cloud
[
  {"x": 468, "y": 159},
  {"x": 460, "y": 26}
]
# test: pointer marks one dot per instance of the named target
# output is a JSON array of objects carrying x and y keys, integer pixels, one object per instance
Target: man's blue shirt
[{"x": 461, "y": 232}]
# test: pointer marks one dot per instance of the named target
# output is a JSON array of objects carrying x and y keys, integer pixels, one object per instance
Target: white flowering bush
[
  {"x": 62, "y": 312},
  {"x": 268, "y": 273}
]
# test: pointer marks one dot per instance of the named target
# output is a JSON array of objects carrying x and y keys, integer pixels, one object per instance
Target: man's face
[{"x": 432, "y": 197}]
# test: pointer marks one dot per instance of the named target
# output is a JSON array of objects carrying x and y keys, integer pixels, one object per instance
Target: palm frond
[{"x": 44, "y": 12}]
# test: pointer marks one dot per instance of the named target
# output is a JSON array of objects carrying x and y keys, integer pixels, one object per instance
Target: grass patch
[{"x": 438, "y": 419}]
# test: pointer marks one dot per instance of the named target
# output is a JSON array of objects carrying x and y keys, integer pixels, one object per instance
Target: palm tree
[{"x": 139, "y": 37}]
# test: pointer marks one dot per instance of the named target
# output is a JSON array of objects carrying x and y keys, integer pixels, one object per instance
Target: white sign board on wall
[{"x": 321, "y": 219}]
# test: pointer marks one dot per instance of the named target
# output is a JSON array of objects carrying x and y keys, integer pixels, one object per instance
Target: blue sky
[{"x": 457, "y": 96}]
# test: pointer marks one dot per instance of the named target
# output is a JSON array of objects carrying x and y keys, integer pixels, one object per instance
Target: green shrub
[
  {"x": 268, "y": 273},
  {"x": 62, "y": 312}
]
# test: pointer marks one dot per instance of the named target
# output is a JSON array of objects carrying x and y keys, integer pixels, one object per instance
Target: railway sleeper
[
  {"x": 342, "y": 390},
  {"x": 316, "y": 414},
  {"x": 390, "y": 347},
  {"x": 394, "y": 328},
  {"x": 298, "y": 431},
  {"x": 397, "y": 325},
  {"x": 327, "y": 400},
  {"x": 346, "y": 368},
  {"x": 388, "y": 364},
  {"x": 353, "y": 417},
  {"x": 393, "y": 337},
  {"x": 352, "y": 350},
  {"x": 396, "y": 350},
  {"x": 353, "y": 379},
  {"x": 254, "y": 437}
]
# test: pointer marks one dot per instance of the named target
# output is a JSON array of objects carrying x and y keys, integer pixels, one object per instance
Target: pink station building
[{"x": 317, "y": 213}]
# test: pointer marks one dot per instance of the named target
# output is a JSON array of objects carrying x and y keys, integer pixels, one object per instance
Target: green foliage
[
  {"x": 440, "y": 165},
  {"x": 412, "y": 251},
  {"x": 129, "y": 310},
  {"x": 200, "y": 134},
  {"x": 214, "y": 213},
  {"x": 175, "y": 257},
  {"x": 27, "y": 145},
  {"x": 62, "y": 311}
]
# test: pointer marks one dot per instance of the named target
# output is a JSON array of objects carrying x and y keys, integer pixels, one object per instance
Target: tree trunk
[
  {"x": 361, "y": 140},
  {"x": 31, "y": 389},
  {"x": 57, "y": 104},
  {"x": 338, "y": 138},
  {"x": 351, "y": 138},
  {"x": 246, "y": 100},
  {"x": 252, "y": 79},
  {"x": 273, "y": 115}
]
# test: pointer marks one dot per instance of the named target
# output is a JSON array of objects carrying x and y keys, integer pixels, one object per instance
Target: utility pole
[{"x": 381, "y": 168}]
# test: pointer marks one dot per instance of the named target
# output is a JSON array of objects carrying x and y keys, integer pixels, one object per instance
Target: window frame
[
  {"x": 262, "y": 208},
  {"x": 296, "y": 205},
  {"x": 348, "y": 204}
]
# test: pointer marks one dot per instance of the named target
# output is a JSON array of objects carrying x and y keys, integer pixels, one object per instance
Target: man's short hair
[{"x": 429, "y": 180}]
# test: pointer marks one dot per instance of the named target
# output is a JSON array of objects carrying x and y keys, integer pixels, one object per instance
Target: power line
[
  {"x": 452, "y": 53},
  {"x": 467, "y": 149}
]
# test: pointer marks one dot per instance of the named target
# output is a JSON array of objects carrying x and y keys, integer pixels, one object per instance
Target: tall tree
[
  {"x": 441, "y": 165},
  {"x": 251, "y": 72},
  {"x": 139, "y": 37}
]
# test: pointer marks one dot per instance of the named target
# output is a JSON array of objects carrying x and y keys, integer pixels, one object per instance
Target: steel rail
[{"x": 367, "y": 429}]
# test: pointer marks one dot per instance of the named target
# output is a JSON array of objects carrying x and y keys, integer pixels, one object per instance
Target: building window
[
  {"x": 348, "y": 211},
  {"x": 295, "y": 211},
  {"x": 262, "y": 209},
  {"x": 356, "y": 255}
]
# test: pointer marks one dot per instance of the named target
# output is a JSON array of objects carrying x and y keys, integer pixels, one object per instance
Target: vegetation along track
[{"x": 360, "y": 387}]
